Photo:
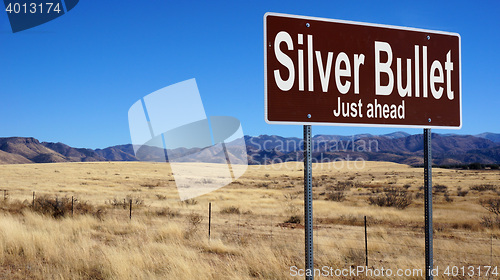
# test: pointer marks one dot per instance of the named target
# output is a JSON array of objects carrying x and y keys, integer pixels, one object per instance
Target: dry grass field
[{"x": 256, "y": 225}]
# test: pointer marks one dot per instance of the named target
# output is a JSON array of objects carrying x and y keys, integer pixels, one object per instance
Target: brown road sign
[{"x": 331, "y": 72}]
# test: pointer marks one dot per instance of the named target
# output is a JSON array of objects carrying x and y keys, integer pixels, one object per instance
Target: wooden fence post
[
  {"x": 209, "y": 218},
  {"x": 271, "y": 231},
  {"x": 366, "y": 246},
  {"x": 130, "y": 214}
]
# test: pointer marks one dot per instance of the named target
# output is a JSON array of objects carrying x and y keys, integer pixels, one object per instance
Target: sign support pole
[
  {"x": 428, "y": 203},
  {"x": 308, "y": 209}
]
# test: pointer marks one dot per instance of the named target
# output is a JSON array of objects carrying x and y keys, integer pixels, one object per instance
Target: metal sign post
[
  {"x": 428, "y": 203},
  {"x": 308, "y": 209}
]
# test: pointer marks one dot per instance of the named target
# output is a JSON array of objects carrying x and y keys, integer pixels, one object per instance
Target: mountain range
[{"x": 400, "y": 147}]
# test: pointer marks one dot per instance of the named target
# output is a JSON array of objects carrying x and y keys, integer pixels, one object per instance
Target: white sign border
[{"x": 362, "y": 24}]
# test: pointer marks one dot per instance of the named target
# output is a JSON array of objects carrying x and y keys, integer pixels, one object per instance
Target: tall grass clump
[{"x": 392, "y": 197}]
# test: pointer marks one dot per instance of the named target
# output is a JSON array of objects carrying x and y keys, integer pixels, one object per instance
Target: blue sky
[{"x": 73, "y": 79}]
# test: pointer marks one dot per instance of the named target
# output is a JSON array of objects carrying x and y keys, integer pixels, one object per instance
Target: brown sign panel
[{"x": 331, "y": 72}]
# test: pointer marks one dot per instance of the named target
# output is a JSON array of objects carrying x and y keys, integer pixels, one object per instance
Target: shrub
[
  {"x": 355, "y": 257},
  {"x": 14, "y": 206},
  {"x": 161, "y": 197},
  {"x": 206, "y": 181},
  {"x": 483, "y": 187},
  {"x": 295, "y": 219},
  {"x": 392, "y": 197},
  {"x": 81, "y": 207},
  {"x": 190, "y": 201},
  {"x": 263, "y": 185},
  {"x": 60, "y": 207},
  {"x": 194, "y": 220},
  {"x": 149, "y": 186},
  {"x": 230, "y": 210},
  {"x": 490, "y": 221},
  {"x": 167, "y": 212},
  {"x": 447, "y": 197},
  {"x": 49, "y": 206},
  {"x": 336, "y": 196},
  {"x": 492, "y": 205},
  {"x": 125, "y": 203},
  {"x": 475, "y": 166},
  {"x": 463, "y": 193},
  {"x": 440, "y": 188},
  {"x": 116, "y": 202},
  {"x": 290, "y": 196},
  {"x": 350, "y": 220},
  {"x": 99, "y": 214},
  {"x": 290, "y": 206},
  {"x": 344, "y": 185},
  {"x": 135, "y": 200}
]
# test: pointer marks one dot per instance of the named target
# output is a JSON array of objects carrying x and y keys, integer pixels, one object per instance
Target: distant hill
[
  {"x": 397, "y": 134},
  {"x": 28, "y": 150},
  {"x": 400, "y": 147},
  {"x": 74, "y": 154},
  {"x": 117, "y": 153},
  {"x": 495, "y": 137},
  {"x": 8, "y": 158}
]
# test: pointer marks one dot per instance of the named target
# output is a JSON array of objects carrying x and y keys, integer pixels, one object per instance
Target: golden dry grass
[{"x": 167, "y": 239}]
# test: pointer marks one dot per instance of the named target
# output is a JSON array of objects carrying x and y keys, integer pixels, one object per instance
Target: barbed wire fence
[{"x": 380, "y": 246}]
